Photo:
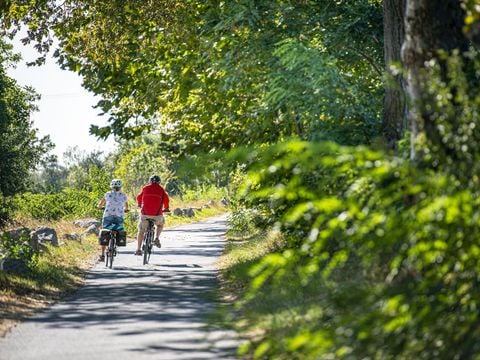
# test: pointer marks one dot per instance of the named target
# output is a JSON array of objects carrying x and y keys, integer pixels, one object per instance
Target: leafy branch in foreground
[{"x": 391, "y": 250}]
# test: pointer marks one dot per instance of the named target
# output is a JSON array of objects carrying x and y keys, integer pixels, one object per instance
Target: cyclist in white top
[{"x": 115, "y": 203}]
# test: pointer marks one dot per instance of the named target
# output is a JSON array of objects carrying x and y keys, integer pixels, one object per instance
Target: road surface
[{"x": 135, "y": 311}]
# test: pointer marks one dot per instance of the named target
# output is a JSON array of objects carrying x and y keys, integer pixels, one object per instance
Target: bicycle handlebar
[{"x": 103, "y": 207}]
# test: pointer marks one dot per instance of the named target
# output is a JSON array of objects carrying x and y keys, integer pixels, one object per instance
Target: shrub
[
  {"x": 18, "y": 250},
  {"x": 68, "y": 203},
  {"x": 391, "y": 248}
]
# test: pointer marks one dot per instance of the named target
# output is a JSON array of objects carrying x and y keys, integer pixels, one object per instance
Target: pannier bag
[
  {"x": 121, "y": 238},
  {"x": 103, "y": 237}
]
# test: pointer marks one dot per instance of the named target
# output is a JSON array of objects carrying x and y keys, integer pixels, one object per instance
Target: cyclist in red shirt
[{"x": 153, "y": 200}]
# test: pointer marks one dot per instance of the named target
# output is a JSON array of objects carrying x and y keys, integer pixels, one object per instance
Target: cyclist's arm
[
  {"x": 140, "y": 199},
  {"x": 166, "y": 202},
  {"x": 101, "y": 203}
]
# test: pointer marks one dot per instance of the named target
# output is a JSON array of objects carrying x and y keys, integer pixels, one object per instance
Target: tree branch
[{"x": 368, "y": 58}]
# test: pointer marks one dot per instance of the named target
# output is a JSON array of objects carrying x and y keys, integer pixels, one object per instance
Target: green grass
[
  {"x": 58, "y": 268},
  {"x": 171, "y": 220},
  {"x": 58, "y": 271},
  {"x": 271, "y": 319}
]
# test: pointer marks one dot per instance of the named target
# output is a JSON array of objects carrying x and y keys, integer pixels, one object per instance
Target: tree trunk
[
  {"x": 394, "y": 114},
  {"x": 429, "y": 26}
]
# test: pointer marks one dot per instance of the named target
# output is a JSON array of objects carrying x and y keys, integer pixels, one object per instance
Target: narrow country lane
[{"x": 156, "y": 311}]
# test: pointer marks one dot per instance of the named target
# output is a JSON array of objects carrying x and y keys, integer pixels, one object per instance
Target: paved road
[{"x": 156, "y": 311}]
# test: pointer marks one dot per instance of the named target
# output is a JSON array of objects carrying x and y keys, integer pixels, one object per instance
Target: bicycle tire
[
  {"x": 145, "y": 250},
  {"x": 107, "y": 252},
  {"x": 110, "y": 251},
  {"x": 149, "y": 249},
  {"x": 147, "y": 242},
  {"x": 147, "y": 246}
]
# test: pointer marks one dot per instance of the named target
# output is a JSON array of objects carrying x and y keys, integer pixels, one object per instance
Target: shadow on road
[{"x": 163, "y": 298}]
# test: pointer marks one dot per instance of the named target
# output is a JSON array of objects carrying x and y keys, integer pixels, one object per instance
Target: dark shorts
[{"x": 112, "y": 222}]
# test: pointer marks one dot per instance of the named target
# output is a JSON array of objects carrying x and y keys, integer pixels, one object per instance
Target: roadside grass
[
  {"x": 60, "y": 270},
  {"x": 204, "y": 213},
  {"x": 271, "y": 317}
]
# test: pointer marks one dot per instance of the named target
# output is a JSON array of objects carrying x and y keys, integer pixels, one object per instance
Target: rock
[
  {"x": 86, "y": 223},
  {"x": 206, "y": 206},
  {"x": 74, "y": 237},
  {"x": 211, "y": 203},
  {"x": 43, "y": 235},
  {"x": 224, "y": 202},
  {"x": 188, "y": 212},
  {"x": 92, "y": 230},
  {"x": 91, "y": 226},
  {"x": 13, "y": 265}
]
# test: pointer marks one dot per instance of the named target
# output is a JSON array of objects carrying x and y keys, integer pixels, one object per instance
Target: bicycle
[
  {"x": 147, "y": 244},
  {"x": 112, "y": 236},
  {"x": 111, "y": 250}
]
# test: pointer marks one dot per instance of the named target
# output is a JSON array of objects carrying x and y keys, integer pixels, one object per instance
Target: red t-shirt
[{"x": 153, "y": 199}]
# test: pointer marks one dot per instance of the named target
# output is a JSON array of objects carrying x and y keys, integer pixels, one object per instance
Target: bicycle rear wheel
[
  {"x": 147, "y": 244},
  {"x": 145, "y": 251},
  {"x": 110, "y": 250},
  {"x": 149, "y": 250}
]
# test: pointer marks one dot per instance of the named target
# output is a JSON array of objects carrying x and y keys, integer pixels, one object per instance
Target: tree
[
  {"x": 50, "y": 177},
  {"x": 214, "y": 75},
  {"x": 20, "y": 147},
  {"x": 394, "y": 109},
  {"x": 79, "y": 164},
  {"x": 430, "y": 28}
]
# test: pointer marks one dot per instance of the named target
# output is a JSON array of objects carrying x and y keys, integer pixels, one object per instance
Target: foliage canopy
[
  {"x": 214, "y": 74},
  {"x": 20, "y": 148}
]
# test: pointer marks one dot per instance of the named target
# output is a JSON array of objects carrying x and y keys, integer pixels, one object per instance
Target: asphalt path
[{"x": 162, "y": 310}]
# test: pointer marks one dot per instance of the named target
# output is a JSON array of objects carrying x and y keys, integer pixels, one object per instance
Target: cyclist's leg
[
  {"x": 110, "y": 222},
  {"x": 117, "y": 228},
  {"x": 159, "y": 222},
  {"x": 142, "y": 226}
]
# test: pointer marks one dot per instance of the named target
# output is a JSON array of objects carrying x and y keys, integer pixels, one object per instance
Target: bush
[
  {"x": 18, "y": 250},
  {"x": 392, "y": 250},
  {"x": 202, "y": 192},
  {"x": 69, "y": 203},
  {"x": 6, "y": 210},
  {"x": 243, "y": 220}
]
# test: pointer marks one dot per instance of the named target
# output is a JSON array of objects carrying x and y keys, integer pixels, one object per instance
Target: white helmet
[{"x": 116, "y": 183}]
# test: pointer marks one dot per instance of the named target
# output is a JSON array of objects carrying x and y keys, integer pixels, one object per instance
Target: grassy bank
[
  {"x": 273, "y": 316},
  {"x": 60, "y": 270}
]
